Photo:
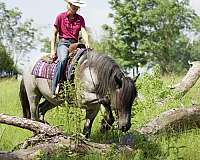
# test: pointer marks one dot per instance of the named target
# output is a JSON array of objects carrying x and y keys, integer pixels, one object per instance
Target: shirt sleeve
[
  {"x": 57, "y": 23},
  {"x": 82, "y": 22}
]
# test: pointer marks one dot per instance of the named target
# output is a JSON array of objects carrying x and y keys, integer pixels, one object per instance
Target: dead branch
[
  {"x": 49, "y": 140},
  {"x": 174, "y": 119},
  {"x": 189, "y": 80},
  {"x": 53, "y": 148},
  {"x": 35, "y": 126}
]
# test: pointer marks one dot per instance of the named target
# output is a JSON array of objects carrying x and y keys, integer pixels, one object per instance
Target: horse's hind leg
[
  {"x": 24, "y": 101},
  {"x": 29, "y": 100},
  {"x": 91, "y": 113}
]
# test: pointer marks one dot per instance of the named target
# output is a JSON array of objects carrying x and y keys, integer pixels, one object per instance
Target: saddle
[{"x": 46, "y": 67}]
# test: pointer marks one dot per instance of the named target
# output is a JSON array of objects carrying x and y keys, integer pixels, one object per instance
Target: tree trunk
[
  {"x": 36, "y": 127},
  {"x": 49, "y": 140},
  {"x": 174, "y": 119},
  {"x": 189, "y": 80},
  {"x": 51, "y": 148}
]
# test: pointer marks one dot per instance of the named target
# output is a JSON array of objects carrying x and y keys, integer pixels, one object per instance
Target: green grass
[
  {"x": 182, "y": 145},
  {"x": 9, "y": 104}
]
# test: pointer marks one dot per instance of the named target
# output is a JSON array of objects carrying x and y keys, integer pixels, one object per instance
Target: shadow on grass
[{"x": 143, "y": 147}]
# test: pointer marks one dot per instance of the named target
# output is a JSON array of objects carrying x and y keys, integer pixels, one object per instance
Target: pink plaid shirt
[{"x": 69, "y": 28}]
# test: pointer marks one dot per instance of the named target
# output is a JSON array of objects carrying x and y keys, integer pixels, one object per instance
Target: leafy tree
[
  {"x": 195, "y": 45},
  {"x": 18, "y": 37},
  {"x": 46, "y": 45},
  {"x": 6, "y": 63},
  {"x": 195, "y": 51},
  {"x": 149, "y": 31}
]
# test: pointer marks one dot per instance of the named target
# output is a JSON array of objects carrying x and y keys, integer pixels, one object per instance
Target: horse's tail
[{"x": 24, "y": 100}]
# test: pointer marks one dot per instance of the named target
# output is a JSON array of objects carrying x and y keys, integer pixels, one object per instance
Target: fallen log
[
  {"x": 189, "y": 79},
  {"x": 49, "y": 148},
  {"x": 34, "y": 126},
  {"x": 56, "y": 140},
  {"x": 174, "y": 119},
  {"x": 49, "y": 140}
]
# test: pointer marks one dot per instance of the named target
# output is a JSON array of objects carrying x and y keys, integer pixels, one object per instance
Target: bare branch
[
  {"x": 49, "y": 140},
  {"x": 36, "y": 127},
  {"x": 190, "y": 78},
  {"x": 174, "y": 119}
]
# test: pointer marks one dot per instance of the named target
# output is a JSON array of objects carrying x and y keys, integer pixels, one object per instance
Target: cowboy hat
[{"x": 78, "y": 3}]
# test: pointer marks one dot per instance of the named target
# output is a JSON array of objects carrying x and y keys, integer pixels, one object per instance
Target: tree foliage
[
  {"x": 6, "y": 63},
  {"x": 150, "y": 31},
  {"x": 46, "y": 45},
  {"x": 18, "y": 37},
  {"x": 195, "y": 51}
]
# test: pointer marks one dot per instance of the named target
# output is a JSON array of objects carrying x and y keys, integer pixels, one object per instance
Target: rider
[{"x": 68, "y": 24}]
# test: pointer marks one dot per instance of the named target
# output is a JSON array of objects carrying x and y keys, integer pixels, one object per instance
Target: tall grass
[
  {"x": 152, "y": 89},
  {"x": 9, "y": 104}
]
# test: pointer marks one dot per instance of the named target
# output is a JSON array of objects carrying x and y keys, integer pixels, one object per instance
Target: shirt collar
[{"x": 67, "y": 14}]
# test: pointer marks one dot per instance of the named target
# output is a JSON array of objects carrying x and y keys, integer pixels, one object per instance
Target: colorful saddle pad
[{"x": 44, "y": 69}]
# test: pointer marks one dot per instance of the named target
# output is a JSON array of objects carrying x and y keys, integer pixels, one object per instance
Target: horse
[{"x": 104, "y": 83}]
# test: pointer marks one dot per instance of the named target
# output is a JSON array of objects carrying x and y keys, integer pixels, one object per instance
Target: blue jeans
[{"x": 62, "y": 54}]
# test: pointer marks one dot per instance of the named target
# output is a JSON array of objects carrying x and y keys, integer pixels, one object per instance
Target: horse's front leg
[
  {"x": 43, "y": 108},
  {"x": 107, "y": 120},
  {"x": 91, "y": 112}
]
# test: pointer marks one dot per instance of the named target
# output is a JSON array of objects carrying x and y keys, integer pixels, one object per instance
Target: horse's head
[{"x": 125, "y": 95}]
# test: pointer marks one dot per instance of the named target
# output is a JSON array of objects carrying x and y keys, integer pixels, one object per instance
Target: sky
[{"x": 43, "y": 12}]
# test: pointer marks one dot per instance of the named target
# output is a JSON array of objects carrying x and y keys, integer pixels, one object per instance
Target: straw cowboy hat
[{"x": 78, "y": 3}]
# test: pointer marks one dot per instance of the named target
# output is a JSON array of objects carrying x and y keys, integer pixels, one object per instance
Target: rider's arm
[
  {"x": 53, "y": 41},
  {"x": 85, "y": 37}
]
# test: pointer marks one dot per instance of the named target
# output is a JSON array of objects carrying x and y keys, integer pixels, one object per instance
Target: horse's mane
[{"x": 107, "y": 70}]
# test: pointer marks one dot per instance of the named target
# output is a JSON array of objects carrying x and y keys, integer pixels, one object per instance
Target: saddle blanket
[{"x": 44, "y": 69}]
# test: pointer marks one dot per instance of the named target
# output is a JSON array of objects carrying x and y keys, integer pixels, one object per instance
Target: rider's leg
[{"x": 62, "y": 54}]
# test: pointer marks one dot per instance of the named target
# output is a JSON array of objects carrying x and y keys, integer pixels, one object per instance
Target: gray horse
[{"x": 103, "y": 83}]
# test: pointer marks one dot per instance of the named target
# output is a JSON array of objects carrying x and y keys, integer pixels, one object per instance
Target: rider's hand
[
  {"x": 53, "y": 56},
  {"x": 87, "y": 45}
]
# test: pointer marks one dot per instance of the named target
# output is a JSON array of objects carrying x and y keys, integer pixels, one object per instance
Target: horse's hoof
[
  {"x": 86, "y": 132},
  {"x": 105, "y": 128}
]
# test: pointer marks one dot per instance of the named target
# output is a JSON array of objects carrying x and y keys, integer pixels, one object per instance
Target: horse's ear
[
  {"x": 136, "y": 77},
  {"x": 118, "y": 81}
]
